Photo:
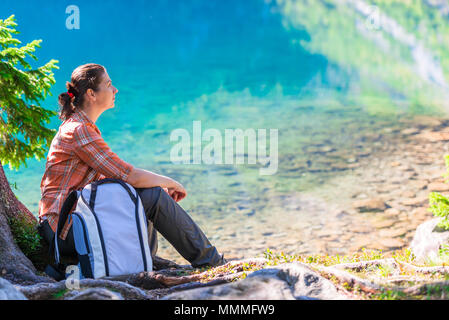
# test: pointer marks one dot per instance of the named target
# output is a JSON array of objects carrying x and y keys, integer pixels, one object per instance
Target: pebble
[
  {"x": 408, "y": 194},
  {"x": 392, "y": 212},
  {"x": 421, "y": 212},
  {"x": 391, "y": 243},
  {"x": 266, "y": 234},
  {"x": 250, "y": 213},
  {"x": 339, "y": 167},
  {"x": 370, "y": 205},
  {"x": 435, "y": 136},
  {"x": 383, "y": 224},
  {"x": 418, "y": 184},
  {"x": 428, "y": 121},
  {"x": 410, "y": 131},
  {"x": 415, "y": 201},
  {"x": 392, "y": 233},
  {"x": 358, "y": 244},
  {"x": 438, "y": 186},
  {"x": 363, "y": 229}
]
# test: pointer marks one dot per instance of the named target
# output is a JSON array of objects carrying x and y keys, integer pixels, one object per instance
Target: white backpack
[{"x": 109, "y": 229}]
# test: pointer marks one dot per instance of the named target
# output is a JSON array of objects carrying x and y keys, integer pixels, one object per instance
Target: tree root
[
  {"x": 425, "y": 270},
  {"x": 218, "y": 280},
  {"x": 48, "y": 291},
  {"x": 154, "y": 283},
  {"x": 194, "y": 285},
  {"x": 154, "y": 280},
  {"x": 161, "y": 263},
  {"x": 426, "y": 287},
  {"x": 345, "y": 278},
  {"x": 401, "y": 279},
  {"x": 362, "y": 265},
  {"x": 167, "y": 278}
]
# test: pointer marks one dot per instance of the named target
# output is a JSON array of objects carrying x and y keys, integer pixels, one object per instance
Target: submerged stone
[{"x": 370, "y": 205}]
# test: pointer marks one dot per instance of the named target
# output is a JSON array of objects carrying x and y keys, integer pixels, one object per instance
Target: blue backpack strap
[
  {"x": 82, "y": 245},
  {"x": 69, "y": 202}
]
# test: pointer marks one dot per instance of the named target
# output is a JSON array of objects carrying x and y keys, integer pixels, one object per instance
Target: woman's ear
[{"x": 90, "y": 94}]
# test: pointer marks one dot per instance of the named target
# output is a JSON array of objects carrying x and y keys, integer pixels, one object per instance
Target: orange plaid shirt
[{"x": 78, "y": 156}]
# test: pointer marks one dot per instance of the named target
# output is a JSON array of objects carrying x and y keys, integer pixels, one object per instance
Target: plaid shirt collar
[{"x": 81, "y": 116}]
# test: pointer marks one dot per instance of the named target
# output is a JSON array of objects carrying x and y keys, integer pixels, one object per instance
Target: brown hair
[{"x": 87, "y": 76}]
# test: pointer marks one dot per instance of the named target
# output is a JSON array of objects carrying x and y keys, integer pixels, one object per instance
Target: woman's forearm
[{"x": 140, "y": 178}]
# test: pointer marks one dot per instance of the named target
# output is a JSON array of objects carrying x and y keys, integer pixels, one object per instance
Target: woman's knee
[{"x": 149, "y": 196}]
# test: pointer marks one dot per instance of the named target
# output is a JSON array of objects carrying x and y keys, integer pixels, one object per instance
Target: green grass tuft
[{"x": 25, "y": 235}]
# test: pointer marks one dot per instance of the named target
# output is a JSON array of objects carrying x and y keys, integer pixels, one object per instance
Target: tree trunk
[{"x": 14, "y": 265}]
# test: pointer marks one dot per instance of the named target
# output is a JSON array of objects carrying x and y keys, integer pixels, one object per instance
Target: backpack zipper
[
  {"x": 86, "y": 243},
  {"x": 139, "y": 231},
  {"x": 100, "y": 233}
]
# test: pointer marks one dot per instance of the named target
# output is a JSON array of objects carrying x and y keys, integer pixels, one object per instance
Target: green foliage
[
  {"x": 390, "y": 294},
  {"x": 384, "y": 271},
  {"x": 326, "y": 260},
  {"x": 441, "y": 259},
  {"x": 25, "y": 235},
  {"x": 22, "y": 120},
  {"x": 405, "y": 255},
  {"x": 13, "y": 186},
  {"x": 439, "y": 204},
  {"x": 60, "y": 293},
  {"x": 275, "y": 259},
  {"x": 444, "y": 250}
]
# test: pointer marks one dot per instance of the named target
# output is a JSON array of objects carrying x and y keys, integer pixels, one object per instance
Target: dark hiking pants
[{"x": 168, "y": 218}]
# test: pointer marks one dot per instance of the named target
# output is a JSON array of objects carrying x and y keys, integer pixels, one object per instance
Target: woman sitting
[{"x": 78, "y": 156}]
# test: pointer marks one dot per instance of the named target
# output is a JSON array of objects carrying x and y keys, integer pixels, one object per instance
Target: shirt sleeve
[{"x": 90, "y": 147}]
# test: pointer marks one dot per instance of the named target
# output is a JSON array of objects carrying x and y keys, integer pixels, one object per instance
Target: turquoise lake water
[{"x": 229, "y": 64}]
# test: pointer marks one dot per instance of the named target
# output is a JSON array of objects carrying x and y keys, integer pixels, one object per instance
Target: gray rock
[
  {"x": 428, "y": 239},
  {"x": 285, "y": 282},
  {"x": 94, "y": 294},
  {"x": 9, "y": 292}
]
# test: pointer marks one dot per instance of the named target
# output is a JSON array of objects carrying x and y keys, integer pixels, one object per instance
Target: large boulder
[
  {"x": 9, "y": 292},
  {"x": 288, "y": 281},
  {"x": 428, "y": 240}
]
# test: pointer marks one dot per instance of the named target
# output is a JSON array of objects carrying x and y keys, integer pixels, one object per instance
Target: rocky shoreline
[
  {"x": 376, "y": 199},
  {"x": 385, "y": 199}
]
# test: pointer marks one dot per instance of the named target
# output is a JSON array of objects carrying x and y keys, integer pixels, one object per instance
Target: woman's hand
[
  {"x": 140, "y": 178},
  {"x": 177, "y": 191}
]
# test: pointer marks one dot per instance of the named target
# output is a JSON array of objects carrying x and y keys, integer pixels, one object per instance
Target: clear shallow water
[{"x": 230, "y": 65}]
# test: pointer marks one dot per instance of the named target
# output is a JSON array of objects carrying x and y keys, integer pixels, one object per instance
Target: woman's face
[{"x": 105, "y": 95}]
